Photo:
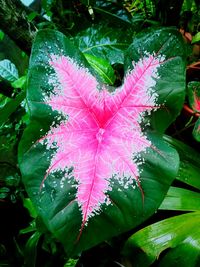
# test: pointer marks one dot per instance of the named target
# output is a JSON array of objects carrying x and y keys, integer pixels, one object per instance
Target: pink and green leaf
[{"x": 92, "y": 161}]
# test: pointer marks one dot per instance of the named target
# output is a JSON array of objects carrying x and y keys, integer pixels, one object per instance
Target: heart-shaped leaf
[{"x": 89, "y": 159}]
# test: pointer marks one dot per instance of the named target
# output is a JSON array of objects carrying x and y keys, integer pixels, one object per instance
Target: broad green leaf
[
  {"x": 57, "y": 201},
  {"x": 189, "y": 169},
  {"x": 8, "y": 71},
  {"x": 181, "y": 199},
  {"x": 167, "y": 42},
  {"x": 104, "y": 42},
  {"x": 196, "y": 130},
  {"x": 146, "y": 245},
  {"x": 102, "y": 67}
]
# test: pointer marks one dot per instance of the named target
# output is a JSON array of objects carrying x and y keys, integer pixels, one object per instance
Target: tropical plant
[{"x": 104, "y": 185}]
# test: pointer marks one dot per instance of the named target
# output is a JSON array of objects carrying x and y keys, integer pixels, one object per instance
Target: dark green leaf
[
  {"x": 114, "y": 12},
  {"x": 196, "y": 130},
  {"x": 150, "y": 241},
  {"x": 30, "y": 251},
  {"x": 104, "y": 42},
  {"x": 169, "y": 43},
  {"x": 8, "y": 71},
  {"x": 196, "y": 38},
  {"x": 55, "y": 202},
  {"x": 184, "y": 255},
  {"x": 29, "y": 205},
  {"x": 189, "y": 169},
  {"x": 102, "y": 67},
  {"x": 181, "y": 199},
  {"x": 10, "y": 107},
  {"x": 194, "y": 95}
]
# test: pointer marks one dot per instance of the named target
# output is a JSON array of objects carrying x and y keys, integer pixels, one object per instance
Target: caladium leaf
[{"x": 89, "y": 160}]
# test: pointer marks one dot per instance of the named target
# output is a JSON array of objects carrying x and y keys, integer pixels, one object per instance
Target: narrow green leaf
[
  {"x": 102, "y": 67},
  {"x": 189, "y": 170},
  {"x": 29, "y": 205},
  {"x": 181, "y": 199},
  {"x": 1, "y": 35},
  {"x": 30, "y": 252},
  {"x": 196, "y": 130},
  {"x": 8, "y": 71},
  {"x": 31, "y": 228}
]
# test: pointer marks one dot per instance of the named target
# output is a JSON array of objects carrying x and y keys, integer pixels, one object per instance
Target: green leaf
[
  {"x": 30, "y": 251},
  {"x": 31, "y": 228},
  {"x": 19, "y": 83},
  {"x": 32, "y": 15},
  {"x": 193, "y": 90},
  {"x": 113, "y": 12},
  {"x": 30, "y": 207},
  {"x": 71, "y": 263},
  {"x": 10, "y": 107},
  {"x": 1, "y": 35},
  {"x": 196, "y": 38},
  {"x": 102, "y": 67},
  {"x": 189, "y": 169},
  {"x": 8, "y": 71},
  {"x": 183, "y": 255},
  {"x": 166, "y": 42},
  {"x": 181, "y": 199},
  {"x": 55, "y": 203},
  {"x": 104, "y": 42},
  {"x": 150, "y": 241},
  {"x": 196, "y": 130}
]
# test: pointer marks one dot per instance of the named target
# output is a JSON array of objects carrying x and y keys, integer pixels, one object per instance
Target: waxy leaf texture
[
  {"x": 101, "y": 136},
  {"x": 93, "y": 159}
]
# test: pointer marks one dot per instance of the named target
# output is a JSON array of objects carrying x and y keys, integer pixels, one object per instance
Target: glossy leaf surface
[
  {"x": 150, "y": 241},
  {"x": 96, "y": 166},
  {"x": 189, "y": 168},
  {"x": 104, "y": 42}
]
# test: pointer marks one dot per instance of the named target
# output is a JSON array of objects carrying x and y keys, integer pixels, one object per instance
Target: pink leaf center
[{"x": 101, "y": 137}]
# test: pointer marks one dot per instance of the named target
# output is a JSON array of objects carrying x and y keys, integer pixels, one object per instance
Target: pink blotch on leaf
[{"x": 101, "y": 136}]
